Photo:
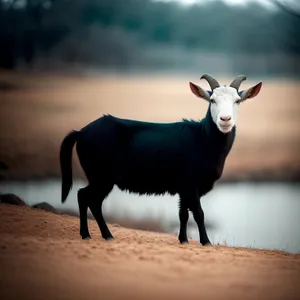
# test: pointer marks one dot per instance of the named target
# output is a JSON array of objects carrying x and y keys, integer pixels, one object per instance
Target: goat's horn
[
  {"x": 212, "y": 82},
  {"x": 237, "y": 82}
]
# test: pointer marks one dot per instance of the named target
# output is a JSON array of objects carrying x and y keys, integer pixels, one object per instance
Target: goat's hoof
[
  {"x": 109, "y": 239},
  {"x": 86, "y": 238},
  {"x": 183, "y": 242},
  {"x": 207, "y": 244}
]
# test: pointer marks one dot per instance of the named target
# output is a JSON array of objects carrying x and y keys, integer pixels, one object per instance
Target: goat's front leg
[
  {"x": 191, "y": 200},
  {"x": 198, "y": 214},
  {"x": 183, "y": 218}
]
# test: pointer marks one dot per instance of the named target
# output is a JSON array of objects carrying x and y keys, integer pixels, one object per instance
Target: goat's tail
[{"x": 66, "y": 149}]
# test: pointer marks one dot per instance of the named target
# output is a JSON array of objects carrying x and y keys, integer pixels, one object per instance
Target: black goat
[{"x": 184, "y": 158}]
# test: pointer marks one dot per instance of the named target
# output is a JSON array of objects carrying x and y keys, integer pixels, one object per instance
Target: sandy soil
[
  {"x": 42, "y": 109},
  {"x": 42, "y": 257}
]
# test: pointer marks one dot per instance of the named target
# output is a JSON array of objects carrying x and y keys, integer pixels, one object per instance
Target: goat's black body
[{"x": 147, "y": 158}]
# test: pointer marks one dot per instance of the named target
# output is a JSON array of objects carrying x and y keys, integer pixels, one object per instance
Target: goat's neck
[{"x": 217, "y": 139}]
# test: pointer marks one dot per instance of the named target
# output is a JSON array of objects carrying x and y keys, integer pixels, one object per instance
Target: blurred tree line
[{"x": 126, "y": 33}]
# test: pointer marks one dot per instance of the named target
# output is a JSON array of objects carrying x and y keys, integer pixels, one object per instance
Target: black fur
[{"x": 184, "y": 158}]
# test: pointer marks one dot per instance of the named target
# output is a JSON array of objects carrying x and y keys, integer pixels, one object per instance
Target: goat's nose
[{"x": 225, "y": 118}]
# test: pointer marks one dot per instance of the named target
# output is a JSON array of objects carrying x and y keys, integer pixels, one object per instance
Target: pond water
[{"x": 264, "y": 215}]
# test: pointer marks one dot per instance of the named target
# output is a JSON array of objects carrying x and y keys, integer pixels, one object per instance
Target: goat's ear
[
  {"x": 251, "y": 92},
  {"x": 199, "y": 92}
]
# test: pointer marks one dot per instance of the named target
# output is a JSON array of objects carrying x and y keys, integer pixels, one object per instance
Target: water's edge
[
  {"x": 286, "y": 175},
  {"x": 260, "y": 215}
]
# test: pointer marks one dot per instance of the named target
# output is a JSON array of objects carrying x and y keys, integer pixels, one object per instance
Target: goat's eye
[
  {"x": 212, "y": 101},
  {"x": 238, "y": 101}
]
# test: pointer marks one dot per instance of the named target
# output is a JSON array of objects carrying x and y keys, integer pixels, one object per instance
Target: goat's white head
[{"x": 225, "y": 100}]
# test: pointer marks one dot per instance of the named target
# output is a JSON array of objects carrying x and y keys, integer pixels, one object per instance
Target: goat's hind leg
[
  {"x": 95, "y": 204},
  {"x": 83, "y": 198}
]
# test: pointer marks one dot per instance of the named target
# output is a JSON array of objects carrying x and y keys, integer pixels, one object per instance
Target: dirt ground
[
  {"x": 42, "y": 256},
  {"x": 37, "y": 111}
]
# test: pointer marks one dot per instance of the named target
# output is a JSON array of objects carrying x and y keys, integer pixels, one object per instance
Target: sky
[
  {"x": 228, "y": 1},
  {"x": 268, "y": 3},
  {"x": 232, "y": 2}
]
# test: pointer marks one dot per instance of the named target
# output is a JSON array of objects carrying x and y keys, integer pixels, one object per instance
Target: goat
[{"x": 184, "y": 158}]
